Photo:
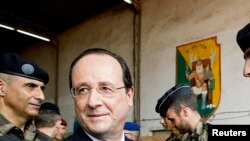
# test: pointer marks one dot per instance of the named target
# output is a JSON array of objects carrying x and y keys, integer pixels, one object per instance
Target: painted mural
[{"x": 198, "y": 63}]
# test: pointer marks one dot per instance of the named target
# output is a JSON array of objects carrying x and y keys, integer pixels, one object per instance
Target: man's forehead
[
  {"x": 101, "y": 57},
  {"x": 98, "y": 65},
  {"x": 26, "y": 80},
  {"x": 170, "y": 112},
  {"x": 95, "y": 60}
]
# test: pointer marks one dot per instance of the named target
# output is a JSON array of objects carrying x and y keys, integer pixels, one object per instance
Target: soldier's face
[
  {"x": 166, "y": 123},
  {"x": 24, "y": 96},
  {"x": 179, "y": 121},
  {"x": 61, "y": 130}
]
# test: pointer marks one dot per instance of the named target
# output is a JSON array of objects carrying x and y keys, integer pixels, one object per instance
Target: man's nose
[
  {"x": 40, "y": 95},
  {"x": 94, "y": 98}
]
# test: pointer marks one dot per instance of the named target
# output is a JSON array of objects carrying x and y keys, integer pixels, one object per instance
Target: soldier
[
  {"x": 132, "y": 130},
  {"x": 243, "y": 40},
  {"x": 21, "y": 94},
  {"x": 179, "y": 105},
  {"x": 48, "y": 121},
  {"x": 61, "y": 131}
]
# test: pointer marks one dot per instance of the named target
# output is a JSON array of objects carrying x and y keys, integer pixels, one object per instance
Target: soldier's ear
[
  {"x": 185, "y": 110},
  {"x": 2, "y": 83}
]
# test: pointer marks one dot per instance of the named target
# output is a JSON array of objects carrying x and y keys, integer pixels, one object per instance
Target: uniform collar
[
  {"x": 6, "y": 125},
  {"x": 199, "y": 128},
  {"x": 43, "y": 136},
  {"x": 197, "y": 131}
]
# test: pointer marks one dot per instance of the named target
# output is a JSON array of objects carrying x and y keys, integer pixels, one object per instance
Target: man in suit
[{"x": 102, "y": 90}]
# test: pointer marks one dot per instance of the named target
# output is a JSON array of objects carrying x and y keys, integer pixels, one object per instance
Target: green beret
[
  {"x": 12, "y": 63},
  {"x": 243, "y": 37},
  {"x": 170, "y": 96}
]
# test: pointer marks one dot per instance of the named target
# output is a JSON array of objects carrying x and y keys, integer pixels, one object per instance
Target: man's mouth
[
  {"x": 35, "y": 105},
  {"x": 97, "y": 116}
]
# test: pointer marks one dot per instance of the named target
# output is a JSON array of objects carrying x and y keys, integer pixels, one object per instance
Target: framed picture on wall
[{"x": 198, "y": 64}]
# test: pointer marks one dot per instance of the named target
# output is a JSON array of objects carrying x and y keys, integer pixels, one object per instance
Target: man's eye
[
  {"x": 31, "y": 85},
  {"x": 107, "y": 89},
  {"x": 43, "y": 88},
  {"x": 82, "y": 90}
]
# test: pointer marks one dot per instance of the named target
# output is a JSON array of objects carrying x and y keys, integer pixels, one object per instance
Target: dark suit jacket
[{"x": 80, "y": 135}]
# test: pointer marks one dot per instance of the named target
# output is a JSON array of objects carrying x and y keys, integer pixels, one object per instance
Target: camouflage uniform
[
  {"x": 200, "y": 133},
  {"x": 174, "y": 137},
  {"x": 43, "y": 137},
  {"x": 9, "y": 132}
]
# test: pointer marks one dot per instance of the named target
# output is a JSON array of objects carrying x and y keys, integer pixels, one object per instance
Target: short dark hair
[
  {"x": 187, "y": 101},
  {"x": 46, "y": 118},
  {"x": 125, "y": 70}
]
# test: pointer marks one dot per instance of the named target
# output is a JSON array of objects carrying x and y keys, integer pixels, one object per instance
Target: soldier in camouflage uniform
[
  {"x": 21, "y": 94},
  {"x": 48, "y": 121},
  {"x": 179, "y": 105}
]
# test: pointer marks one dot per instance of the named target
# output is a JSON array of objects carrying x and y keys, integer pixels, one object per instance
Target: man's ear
[
  {"x": 2, "y": 84},
  {"x": 185, "y": 110},
  {"x": 130, "y": 96}
]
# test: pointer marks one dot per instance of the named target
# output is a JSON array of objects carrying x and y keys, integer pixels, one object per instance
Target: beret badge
[{"x": 27, "y": 69}]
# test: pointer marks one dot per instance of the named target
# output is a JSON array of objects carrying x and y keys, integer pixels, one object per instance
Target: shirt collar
[
  {"x": 197, "y": 131},
  {"x": 199, "y": 128},
  {"x": 95, "y": 139}
]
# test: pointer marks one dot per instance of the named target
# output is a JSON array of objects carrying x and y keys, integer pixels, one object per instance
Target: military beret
[
  {"x": 131, "y": 126},
  {"x": 63, "y": 122},
  {"x": 12, "y": 63},
  {"x": 170, "y": 96},
  {"x": 50, "y": 106},
  {"x": 243, "y": 37}
]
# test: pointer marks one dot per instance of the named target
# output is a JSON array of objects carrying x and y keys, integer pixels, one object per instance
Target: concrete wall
[
  {"x": 169, "y": 23},
  {"x": 165, "y": 24}
]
